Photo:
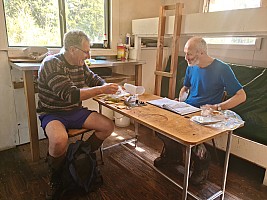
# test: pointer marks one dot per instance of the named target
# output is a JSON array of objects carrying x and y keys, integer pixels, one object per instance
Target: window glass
[
  {"x": 39, "y": 22},
  {"x": 32, "y": 23},
  {"x": 220, "y": 5},
  {"x": 87, "y": 16},
  {"x": 232, "y": 40}
]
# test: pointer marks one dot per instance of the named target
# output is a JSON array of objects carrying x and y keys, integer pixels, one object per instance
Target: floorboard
[{"x": 128, "y": 173}]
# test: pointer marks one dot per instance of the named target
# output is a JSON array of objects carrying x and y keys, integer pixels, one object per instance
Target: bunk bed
[{"x": 250, "y": 142}]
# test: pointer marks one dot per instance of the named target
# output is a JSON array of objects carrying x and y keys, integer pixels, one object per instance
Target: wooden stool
[{"x": 75, "y": 132}]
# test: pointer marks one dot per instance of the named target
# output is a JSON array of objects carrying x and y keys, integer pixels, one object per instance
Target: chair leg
[
  {"x": 82, "y": 136},
  {"x": 101, "y": 153},
  {"x": 215, "y": 151}
]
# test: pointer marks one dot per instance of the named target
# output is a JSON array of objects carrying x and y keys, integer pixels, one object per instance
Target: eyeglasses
[{"x": 86, "y": 52}]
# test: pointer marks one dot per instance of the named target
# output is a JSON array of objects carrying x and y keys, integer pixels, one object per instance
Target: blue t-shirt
[{"x": 207, "y": 84}]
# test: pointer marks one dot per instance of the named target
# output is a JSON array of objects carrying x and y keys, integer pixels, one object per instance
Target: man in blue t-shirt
[{"x": 206, "y": 79}]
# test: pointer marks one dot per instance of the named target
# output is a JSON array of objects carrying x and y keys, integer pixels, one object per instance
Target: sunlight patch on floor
[
  {"x": 114, "y": 134},
  {"x": 120, "y": 138},
  {"x": 139, "y": 149},
  {"x": 136, "y": 148}
]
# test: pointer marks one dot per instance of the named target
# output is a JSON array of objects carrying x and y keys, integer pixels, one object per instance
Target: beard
[{"x": 193, "y": 62}]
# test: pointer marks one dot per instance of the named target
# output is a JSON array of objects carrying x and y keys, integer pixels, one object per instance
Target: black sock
[
  {"x": 56, "y": 162},
  {"x": 94, "y": 141}
]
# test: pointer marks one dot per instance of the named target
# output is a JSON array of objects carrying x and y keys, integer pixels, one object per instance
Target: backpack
[{"x": 80, "y": 169}]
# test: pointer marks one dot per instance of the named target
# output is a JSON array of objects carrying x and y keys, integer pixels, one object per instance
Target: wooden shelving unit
[{"x": 117, "y": 78}]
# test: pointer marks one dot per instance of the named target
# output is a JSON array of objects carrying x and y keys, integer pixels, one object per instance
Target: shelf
[{"x": 116, "y": 78}]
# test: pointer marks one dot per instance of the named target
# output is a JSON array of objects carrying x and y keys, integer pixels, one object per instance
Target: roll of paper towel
[{"x": 132, "y": 89}]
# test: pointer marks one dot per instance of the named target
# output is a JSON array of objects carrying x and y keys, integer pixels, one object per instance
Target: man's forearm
[
  {"x": 234, "y": 101},
  {"x": 107, "y": 88},
  {"x": 87, "y": 93}
]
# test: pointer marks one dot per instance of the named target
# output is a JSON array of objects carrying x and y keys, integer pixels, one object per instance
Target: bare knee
[
  {"x": 109, "y": 128},
  {"x": 57, "y": 147},
  {"x": 105, "y": 130},
  {"x": 57, "y": 138}
]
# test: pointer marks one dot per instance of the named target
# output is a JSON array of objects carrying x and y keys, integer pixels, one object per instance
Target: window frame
[
  {"x": 256, "y": 46},
  {"x": 63, "y": 23},
  {"x": 206, "y": 6}
]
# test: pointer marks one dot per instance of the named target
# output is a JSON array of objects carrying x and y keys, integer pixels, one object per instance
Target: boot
[
  {"x": 94, "y": 142},
  {"x": 201, "y": 169},
  {"x": 171, "y": 153},
  {"x": 55, "y": 167}
]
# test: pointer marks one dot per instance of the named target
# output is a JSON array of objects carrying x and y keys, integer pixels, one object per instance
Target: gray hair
[
  {"x": 200, "y": 44},
  {"x": 74, "y": 38}
]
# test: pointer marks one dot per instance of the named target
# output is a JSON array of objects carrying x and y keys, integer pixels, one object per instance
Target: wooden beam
[
  {"x": 138, "y": 74},
  {"x": 32, "y": 118},
  {"x": 175, "y": 49},
  {"x": 165, "y": 74},
  {"x": 169, "y": 7},
  {"x": 160, "y": 45}
]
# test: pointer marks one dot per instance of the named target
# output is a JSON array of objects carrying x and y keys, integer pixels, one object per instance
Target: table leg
[
  {"x": 226, "y": 162},
  {"x": 187, "y": 169},
  {"x": 138, "y": 74},
  {"x": 32, "y": 118},
  {"x": 101, "y": 147},
  {"x": 136, "y": 129}
]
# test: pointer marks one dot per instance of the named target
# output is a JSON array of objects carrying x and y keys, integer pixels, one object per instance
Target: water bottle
[{"x": 105, "y": 41}]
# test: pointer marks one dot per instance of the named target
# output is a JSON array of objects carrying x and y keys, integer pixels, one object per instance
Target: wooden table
[
  {"x": 177, "y": 127},
  {"x": 28, "y": 70}
]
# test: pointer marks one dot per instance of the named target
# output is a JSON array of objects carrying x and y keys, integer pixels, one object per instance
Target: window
[
  {"x": 44, "y": 22},
  {"x": 232, "y": 42},
  {"x": 249, "y": 43},
  {"x": 220, "y": 5}
]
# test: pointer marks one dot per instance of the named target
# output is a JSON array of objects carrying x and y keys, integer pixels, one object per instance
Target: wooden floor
[{"x": 128, "y": 174}]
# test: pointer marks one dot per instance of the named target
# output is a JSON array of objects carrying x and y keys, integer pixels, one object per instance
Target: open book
[{"x": 181, "y": 108}]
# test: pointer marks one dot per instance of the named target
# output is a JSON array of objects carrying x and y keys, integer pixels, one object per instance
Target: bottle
[
  {"x": 126, "y": 52},
  {"x": 120, "y": 50},
  {"x": 105, "y": 41},
  {"x": 128, "y": 39}
]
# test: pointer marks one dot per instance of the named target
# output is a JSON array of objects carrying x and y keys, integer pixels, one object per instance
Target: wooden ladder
[{"x": 159, "y": 73}]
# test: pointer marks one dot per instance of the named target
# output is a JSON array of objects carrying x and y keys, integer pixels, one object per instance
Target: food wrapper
[{"x": 225, "y": 120}]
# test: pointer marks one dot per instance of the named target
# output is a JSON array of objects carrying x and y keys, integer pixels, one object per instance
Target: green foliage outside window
[
  {"x": 87, "y": 16},
  {"x": 37, "y": 23}
]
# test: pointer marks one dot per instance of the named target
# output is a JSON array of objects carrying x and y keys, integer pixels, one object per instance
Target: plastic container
[
  {"x": 120, "y": 52},
  {"x": 133, "y": 90},
  {"x": 108, "y": 112},
  {"x": 121, "y": 120},
  {"x": 128, "y": 39}
]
